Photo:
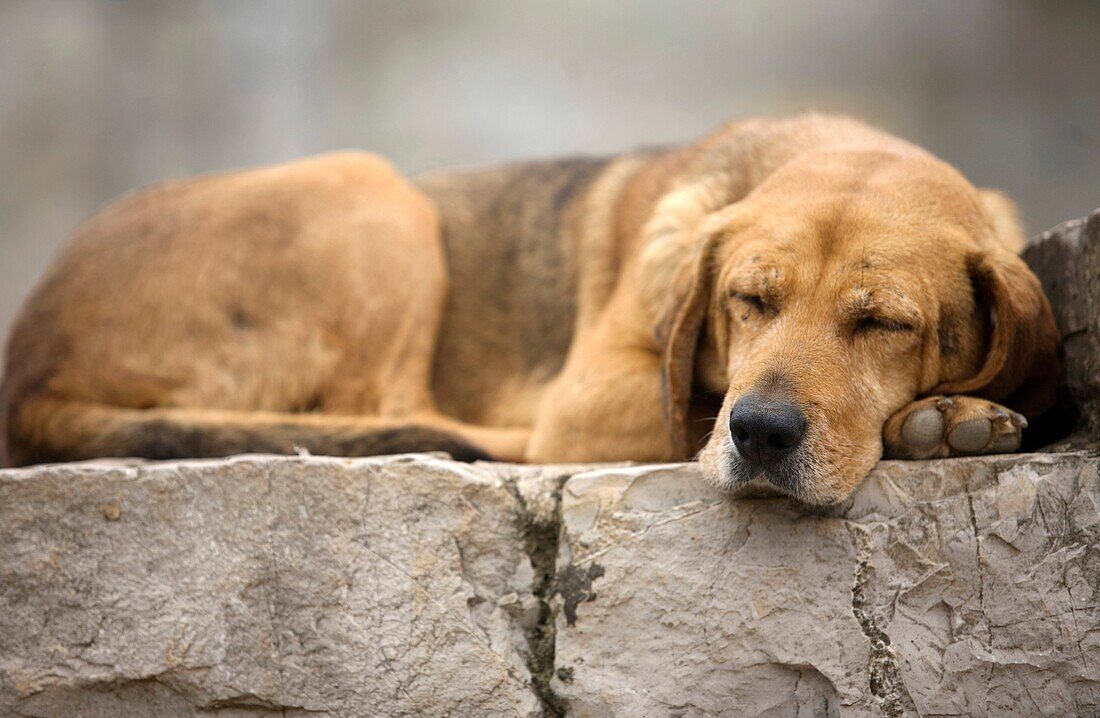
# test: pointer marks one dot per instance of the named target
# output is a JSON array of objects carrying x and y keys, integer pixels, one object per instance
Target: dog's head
[{"x": 843, "y": 287}]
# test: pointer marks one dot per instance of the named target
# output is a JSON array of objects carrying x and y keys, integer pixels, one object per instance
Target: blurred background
[{"x": 101, "y": 96}]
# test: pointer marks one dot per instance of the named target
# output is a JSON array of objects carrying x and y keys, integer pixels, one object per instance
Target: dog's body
[{"x": 577, "y": 310}]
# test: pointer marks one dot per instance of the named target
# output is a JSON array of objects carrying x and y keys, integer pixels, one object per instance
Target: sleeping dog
[{"x": 831, "y": 293}]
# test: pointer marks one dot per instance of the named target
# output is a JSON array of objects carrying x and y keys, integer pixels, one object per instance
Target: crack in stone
[
  {"x": 252, "y": 702},
  {"x": 978, "y": 558},
  {"x": 541, "y": 544},
  {"x": 1076, "y": 628},
  {"x": 575, "y": 587},
  {"x": 884, "y": 676}
]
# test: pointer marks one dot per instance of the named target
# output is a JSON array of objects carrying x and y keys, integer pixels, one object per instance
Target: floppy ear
[
  {"x": 674, "y": 288},
  {"x": 679, "y": 334},
  {"x": 1022, "y": 366}
]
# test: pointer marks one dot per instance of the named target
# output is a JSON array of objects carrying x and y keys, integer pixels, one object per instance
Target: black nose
[{"x": 766, "y": 430}]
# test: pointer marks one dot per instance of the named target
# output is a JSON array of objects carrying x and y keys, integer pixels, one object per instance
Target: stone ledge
[
  {"x": 393, "y": 586},
  {"x": 956, "y": 587},
  {"x": 413, "y": 585}
]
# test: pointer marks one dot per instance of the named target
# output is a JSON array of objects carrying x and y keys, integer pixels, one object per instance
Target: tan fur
[{"x": 549, "y": 312}]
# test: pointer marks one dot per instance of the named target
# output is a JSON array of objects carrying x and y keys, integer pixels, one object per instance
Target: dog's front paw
[{"x": 940, "y": 426}]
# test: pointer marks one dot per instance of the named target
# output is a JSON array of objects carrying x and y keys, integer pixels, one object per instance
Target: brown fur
[{"x": 580, "y": 310}]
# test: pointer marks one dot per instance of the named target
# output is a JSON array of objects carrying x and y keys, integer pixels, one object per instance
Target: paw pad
[
  {"x": 923, "y": 430},
  {"x": 971, "y": 435},
  {"x": 958, "y": 425}
]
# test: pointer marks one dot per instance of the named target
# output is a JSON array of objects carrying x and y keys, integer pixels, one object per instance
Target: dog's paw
[{"x": 941, "y": 426}]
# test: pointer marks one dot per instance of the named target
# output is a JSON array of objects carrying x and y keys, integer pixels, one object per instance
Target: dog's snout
[{"x": 765, "y": 430}]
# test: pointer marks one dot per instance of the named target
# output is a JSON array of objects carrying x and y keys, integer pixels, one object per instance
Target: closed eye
[
  {"x": 880, "y": 324},
  {"x": 753, "y": 300}
]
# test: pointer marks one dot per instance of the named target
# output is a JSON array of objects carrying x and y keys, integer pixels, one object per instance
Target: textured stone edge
[
  {"x": 889, "y": 490},
  {"x": 888, "y": 494},
  {"x": 520, "y": 485},
  {"x": 535, "y": 491}
]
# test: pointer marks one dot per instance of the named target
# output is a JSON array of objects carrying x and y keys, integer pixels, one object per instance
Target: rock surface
[
  {"x": 265, "y": 586},
  {"x": 954, "y": 587},
  {"x": 1067, "y": 261},
  {"x": 403, "y": 586}
]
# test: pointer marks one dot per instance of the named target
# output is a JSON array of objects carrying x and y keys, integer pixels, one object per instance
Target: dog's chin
[{"x": 798, "y": 475}]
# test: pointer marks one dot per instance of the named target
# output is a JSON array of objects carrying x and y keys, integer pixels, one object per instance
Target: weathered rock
[
  {"x": 955, "y": 587},
  {"x": 417, "y": 586},
  {"x": 382, "y": 587},
  {"x": 1067, "y": 261}
]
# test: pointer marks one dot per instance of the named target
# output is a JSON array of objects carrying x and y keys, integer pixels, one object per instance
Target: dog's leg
[
  {"x": 70, "y": 431},
  {"x": 605, "y": 406},
  {"x": 386, "y": 371},
  {"x": 941, "y": 426}
]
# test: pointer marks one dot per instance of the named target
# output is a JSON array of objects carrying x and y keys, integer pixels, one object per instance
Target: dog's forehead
[
  {"x": 861, "y": 231},
  {"x": 872, "y": 250},
  {"x": 850, "y": 230},
  {"x": 873, "y": 267}
]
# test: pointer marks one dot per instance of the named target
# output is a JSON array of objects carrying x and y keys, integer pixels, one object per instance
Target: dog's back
[{"x": 513, "y": 261}]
